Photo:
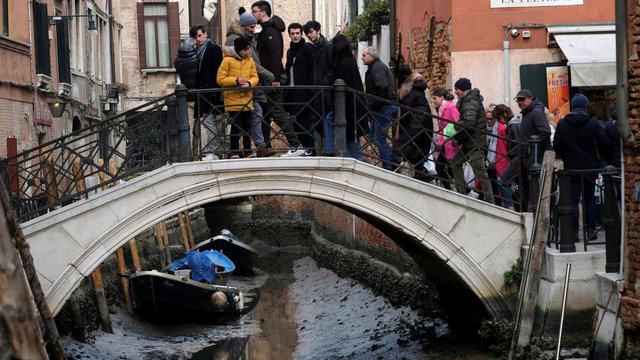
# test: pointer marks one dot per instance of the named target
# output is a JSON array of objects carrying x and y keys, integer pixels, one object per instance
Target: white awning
[{"x": 592, "y": 58}]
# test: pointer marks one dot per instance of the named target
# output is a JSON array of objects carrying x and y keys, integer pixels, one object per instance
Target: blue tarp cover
[{"x": 203, "y": 263}]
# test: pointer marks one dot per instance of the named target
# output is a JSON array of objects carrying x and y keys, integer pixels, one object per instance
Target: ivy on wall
[{"x": 375, "y": 14}]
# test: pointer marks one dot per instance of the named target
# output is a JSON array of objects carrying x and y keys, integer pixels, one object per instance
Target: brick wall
[
  {"x": 630, "y": 302},
  {"x": 416, "y": 38}
]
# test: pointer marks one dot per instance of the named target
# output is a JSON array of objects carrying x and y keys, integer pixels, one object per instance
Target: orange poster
[{"x": 558, "y": 91}]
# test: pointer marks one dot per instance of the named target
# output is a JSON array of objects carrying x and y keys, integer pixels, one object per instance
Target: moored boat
[
  {"x": 242, "y": 255},
  {"x": 167, "y": 297}
]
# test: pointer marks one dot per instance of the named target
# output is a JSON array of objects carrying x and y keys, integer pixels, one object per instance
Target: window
[
  {"x": 62, "y": 42},
  {"x": 41, "y": 23},
  {"x": 4, "y": 10},
  {"x": 156, "y": 31}
]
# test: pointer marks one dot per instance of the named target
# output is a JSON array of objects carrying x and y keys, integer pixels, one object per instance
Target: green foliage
[
  {"x": 367, "y": 24},
  {"x": 514, "y": 275}
]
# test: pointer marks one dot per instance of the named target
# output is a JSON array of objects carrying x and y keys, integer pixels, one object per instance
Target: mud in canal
[{"x": 304, "y": 312}]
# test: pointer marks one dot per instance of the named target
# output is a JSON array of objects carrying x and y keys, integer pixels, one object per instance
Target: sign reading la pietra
[{"x": 533, "y": 3}]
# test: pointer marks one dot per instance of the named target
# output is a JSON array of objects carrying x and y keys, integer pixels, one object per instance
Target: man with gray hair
[{"x": 379, "y": 81}]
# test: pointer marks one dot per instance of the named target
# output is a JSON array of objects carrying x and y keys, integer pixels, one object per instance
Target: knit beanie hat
[
  {"x": 247, "y": 19},
  {"x": 240, "y": 44},
  {"x": 463, "y": 84},
  {"x": 580, "y": 101}
]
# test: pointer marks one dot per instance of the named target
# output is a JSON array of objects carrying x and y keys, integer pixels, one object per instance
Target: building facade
[
  {"x": 58, "y": 66},
  {"x": 502, "y": 46}
]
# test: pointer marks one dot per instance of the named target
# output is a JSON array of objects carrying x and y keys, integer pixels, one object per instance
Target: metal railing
[
  {"x": 587, "y": 208},
  {"x": 325, "y": 120}
]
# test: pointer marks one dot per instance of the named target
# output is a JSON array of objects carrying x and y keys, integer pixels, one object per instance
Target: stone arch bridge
[{"x": 476, "y": 241}]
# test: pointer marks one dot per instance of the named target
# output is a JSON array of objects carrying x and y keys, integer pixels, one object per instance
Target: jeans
[
  {"x": 476, "y": 159},
  {"x": 379, "y": 131},
  {"x": 256, "y": 126},
  {"x": 213, "y": 127},
  {"x": 584, "y": 187},
  {"x": 353, "y": 148},
  {"x": 509, "y": 176}
]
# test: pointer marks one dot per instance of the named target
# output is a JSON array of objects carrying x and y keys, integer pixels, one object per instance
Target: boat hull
[
  {"x": 166, "y": 297},
  {"x": 242, "y": 255}
]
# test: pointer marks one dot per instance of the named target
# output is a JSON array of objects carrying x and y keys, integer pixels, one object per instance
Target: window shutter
[
  {"x": 41, "y": 23},
  {"x": 62, "y": 41},
  {"x": 174, "y": 28},
  {"x": 142, "y": 54}
]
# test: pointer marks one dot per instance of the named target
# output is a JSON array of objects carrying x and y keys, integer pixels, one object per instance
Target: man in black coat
[
  {"x": 270, "y": 48},
  {"x": 208, "y": 105},
  {"x": 322, "y": 65},
  {"x": 186, "y": 63},
  {"x": 298, "y": 69},
  {"x": 534, "y": 122},
  {"x": 582, "y": 144}
]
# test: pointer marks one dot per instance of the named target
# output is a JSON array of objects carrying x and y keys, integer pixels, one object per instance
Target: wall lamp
[
  {"x": 91, "y": 25},
  {"x": 56, "y": 105}
]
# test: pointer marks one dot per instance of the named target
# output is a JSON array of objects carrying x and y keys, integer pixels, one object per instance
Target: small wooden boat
[
  {"x": 242, "y": 255},
  {"x": 166, "y": 297}
]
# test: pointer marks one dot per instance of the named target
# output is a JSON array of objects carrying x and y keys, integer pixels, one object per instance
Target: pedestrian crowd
[{"x": 482, "y": 151}]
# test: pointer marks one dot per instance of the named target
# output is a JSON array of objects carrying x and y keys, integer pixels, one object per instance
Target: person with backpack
[
  {"x": 471, "y": 136},
  {"x": 186, "y": 63}
]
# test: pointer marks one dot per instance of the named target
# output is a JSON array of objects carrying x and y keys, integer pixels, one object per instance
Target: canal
[{"x": 304, "y": 312}]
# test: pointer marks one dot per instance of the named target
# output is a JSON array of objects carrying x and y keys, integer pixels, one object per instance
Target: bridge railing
[
  {"x": 588, "y": 207},
  {"x": 69, "y": 168},
  {"x": 195, "y": 124}
]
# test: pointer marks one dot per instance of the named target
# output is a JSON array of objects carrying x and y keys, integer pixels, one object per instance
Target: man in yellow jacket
[{"x": 238, "y": 70}]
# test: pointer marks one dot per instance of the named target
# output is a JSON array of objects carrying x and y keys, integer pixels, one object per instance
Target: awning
[{"x": 592, "y": 58}]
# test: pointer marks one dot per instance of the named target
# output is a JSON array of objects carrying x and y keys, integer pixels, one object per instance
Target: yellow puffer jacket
[{"x": 231, "y": 68}]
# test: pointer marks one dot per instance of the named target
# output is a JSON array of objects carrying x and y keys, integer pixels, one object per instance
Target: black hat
[
  {"x": 463, "y": 84},
  {"x": 524, "y": 93},
  {"x": 240, "y": 44}
]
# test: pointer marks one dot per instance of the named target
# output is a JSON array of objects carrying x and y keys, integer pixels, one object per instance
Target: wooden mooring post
[
  {"x": 185, "y": 233},
  {"x": 529, "y": 287},
  {"x": 79, "y": 333},
  {"x": 187, "y": 217},
  {"x": 124, "y": 282},
  {"x": 15, "y": 232},
  {"x": 162, "y": 240},
  {"x": 20, "y": 336},
  {"x": 101, "y": 299}
]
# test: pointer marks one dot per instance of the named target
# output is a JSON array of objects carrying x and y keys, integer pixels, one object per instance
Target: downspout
[
  {"x": 622, "y": 72},
  {"x": 392, "y": 30},
  {"x": 506, "y": 71},
  {"x": 622, "y": 85}
]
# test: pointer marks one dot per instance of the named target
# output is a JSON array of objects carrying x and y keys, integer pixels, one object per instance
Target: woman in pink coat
[{"x": 445, "y": 147}]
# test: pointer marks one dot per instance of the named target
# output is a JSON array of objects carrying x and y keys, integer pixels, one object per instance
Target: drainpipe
[
  {"x": 625, "y": 132},
  {"x": 506, "y": 70},
  {"x": 392, "y": 30},
  {"x": 622, "y": 72}
]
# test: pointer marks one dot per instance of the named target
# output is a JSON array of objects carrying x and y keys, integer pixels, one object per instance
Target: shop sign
[
  {"x": 558, "y": 91},
  {"x": 533, "y": 3}
]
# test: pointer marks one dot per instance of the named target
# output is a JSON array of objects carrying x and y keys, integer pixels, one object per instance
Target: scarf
[{"x": 201, "y": 49}]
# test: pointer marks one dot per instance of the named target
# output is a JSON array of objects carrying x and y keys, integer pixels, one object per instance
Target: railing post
[
  {"x": 340, "y": 118},
  {"x": 183, "y": 122},
  {"x": 172, "y": 128},
  {"x": 534, "y": 183},
  {"x": 565, "y": 212},
  {"x": 611, "y": 221}
]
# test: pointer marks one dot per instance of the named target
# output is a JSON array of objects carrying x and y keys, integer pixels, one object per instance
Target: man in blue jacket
[{"x": 582, "y": 144}]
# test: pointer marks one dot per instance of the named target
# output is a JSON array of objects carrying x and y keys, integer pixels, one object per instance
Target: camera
[{"x": 514, "y": 32}]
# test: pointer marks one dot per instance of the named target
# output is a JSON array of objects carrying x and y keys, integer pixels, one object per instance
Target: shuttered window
[
  {"x": 41, "y": 24},
  {"x": 64, "y": 61},
  {"x": 158, "y": 34}
]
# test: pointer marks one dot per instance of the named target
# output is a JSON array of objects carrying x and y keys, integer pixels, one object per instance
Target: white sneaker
[
  {"x": 473, "y": 194},
  {"x": 210, "y": 157},
  {"x": 308, "y": 153},
  {"x": 299, "y": 151}
]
